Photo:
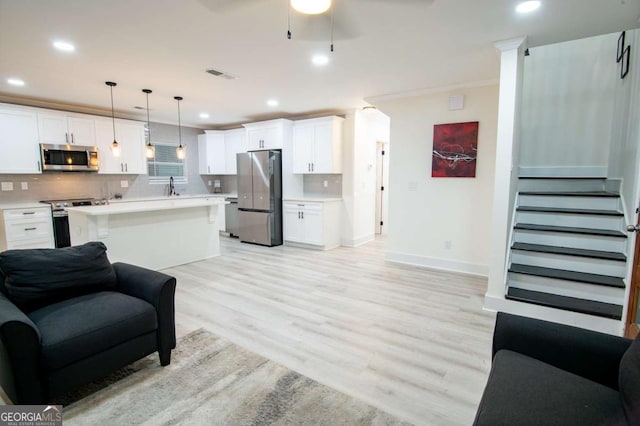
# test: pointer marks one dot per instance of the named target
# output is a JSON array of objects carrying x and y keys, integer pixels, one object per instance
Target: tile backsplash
[{"x": 314, "y": 186}]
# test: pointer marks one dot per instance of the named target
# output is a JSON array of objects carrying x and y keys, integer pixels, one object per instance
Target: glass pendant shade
[
  {"x": 181, "y": 153},
  {"x": 151, "y": 151},
  {"x": 115, "y": 149},
  {"x": 311, "y": 7},
  {"x": 115, "y": 146}
]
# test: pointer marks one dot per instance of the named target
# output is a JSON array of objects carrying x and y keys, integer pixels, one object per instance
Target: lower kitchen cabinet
[
  {"x": 24, "y": 228},
  {"x": 315, "y": 224}
]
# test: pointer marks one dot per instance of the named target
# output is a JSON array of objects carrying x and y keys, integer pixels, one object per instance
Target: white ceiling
[{"x": 393, "y": 46}]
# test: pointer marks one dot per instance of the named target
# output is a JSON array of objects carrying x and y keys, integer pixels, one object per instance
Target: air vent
[{"x": 221, "y": 74}]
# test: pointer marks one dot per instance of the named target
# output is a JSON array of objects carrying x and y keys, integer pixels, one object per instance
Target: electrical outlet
[
  {"x": 124, "y": 184},
  {"x": 24, "y": 185},
  {"x": 326, "y": 183},
  {"x": 7, "y": 186},
  {"x": 447, "y": 245},
  {"x": 209, "y": 183}
]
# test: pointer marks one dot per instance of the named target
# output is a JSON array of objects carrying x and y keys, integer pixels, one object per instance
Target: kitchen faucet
[{"x": 172, "y": 189}]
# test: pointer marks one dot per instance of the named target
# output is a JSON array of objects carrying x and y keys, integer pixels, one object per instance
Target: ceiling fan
[{"x": 315, "y": 20}]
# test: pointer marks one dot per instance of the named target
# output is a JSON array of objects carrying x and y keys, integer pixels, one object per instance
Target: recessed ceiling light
[
  {"x": 311, "y": 7},
  {"x": 15, "y": 82},
  {"x": 204, "y": 115},
  {"x": 320, "y": 60},
  {"x": 272, "y": 103},
  {"x": 64, "y": 46},
  {"x": 527, "y": 6}
]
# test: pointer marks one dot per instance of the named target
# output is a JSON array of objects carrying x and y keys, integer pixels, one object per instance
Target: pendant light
[
  {"x": 115, "y": 146},
  {"x": 311, "y": 7},
  {"x": 180, "y": 151},
  {"x": 151, "y": 151}
]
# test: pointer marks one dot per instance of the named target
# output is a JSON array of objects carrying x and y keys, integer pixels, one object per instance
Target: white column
[{"x": 506, "y": 169}]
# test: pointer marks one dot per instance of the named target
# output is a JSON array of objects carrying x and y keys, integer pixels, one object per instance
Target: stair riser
[
  {"x": 570, "y": 202},
  {"x": 561, "y": 185},
  {"x": 567, "y": 288},
  {"x": 570, "y": 263},
  {"x": 562, "y": 239},
  {"x": 574, "y": 220}
]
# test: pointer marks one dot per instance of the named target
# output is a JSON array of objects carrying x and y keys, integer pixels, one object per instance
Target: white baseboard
[
  {"x": 450, "y": 265},
  {"x": 590, "y": 322},
  {"x": 355, "y": 242},
  {"x": 560, "y": 171}
]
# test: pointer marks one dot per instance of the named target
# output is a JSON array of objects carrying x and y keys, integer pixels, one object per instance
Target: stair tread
[
  {"x": 570, "y": 251},
  {"x": 563, "y": 177},
  {"x": 573, "y": 193},
  {"x": 565, "y": 210},
  {"x": 591, "y": 307},
  {"x": 570, "y": 230},
  {"x": 604, "y": 280}
]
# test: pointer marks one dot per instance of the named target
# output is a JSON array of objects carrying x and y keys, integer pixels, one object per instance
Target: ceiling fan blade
[{"x": 221, "y": 6}]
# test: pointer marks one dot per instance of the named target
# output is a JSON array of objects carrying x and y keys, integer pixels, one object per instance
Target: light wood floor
[{"x": 410, "y": 341}]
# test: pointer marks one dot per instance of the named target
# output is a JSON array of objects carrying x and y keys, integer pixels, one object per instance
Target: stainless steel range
[{"x": 61, "y": 217}]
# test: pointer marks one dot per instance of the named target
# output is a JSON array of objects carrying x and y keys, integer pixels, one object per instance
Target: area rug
[{"x": 212, "y": 381}]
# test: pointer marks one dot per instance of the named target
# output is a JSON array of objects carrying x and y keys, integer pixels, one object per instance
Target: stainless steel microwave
[{"x": 69, "y": 158}]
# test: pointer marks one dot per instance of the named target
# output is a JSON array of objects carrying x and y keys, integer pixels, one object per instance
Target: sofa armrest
[
  {"x": 590, "y": 354},
  {"x": 156, "y": 288},
  {"x": 20, "y": 341}
]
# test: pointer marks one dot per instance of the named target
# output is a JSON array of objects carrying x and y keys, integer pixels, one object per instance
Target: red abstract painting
[{"x": 455, "y": 150}]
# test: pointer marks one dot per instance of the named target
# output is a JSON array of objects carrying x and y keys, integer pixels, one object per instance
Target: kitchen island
[{"x": 155, "y": 234}]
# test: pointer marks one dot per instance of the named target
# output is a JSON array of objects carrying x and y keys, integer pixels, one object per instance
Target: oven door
[{"x": 61, "y": 229}]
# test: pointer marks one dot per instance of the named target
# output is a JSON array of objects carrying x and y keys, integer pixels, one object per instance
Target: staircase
[{"x": 568, "y": 246}]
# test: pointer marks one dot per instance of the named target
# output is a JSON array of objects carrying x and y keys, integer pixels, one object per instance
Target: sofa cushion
[
  {"x": 77, "y": 328},
  {"x": 525, "y": 391},
  {"x": 629, "y": 382},
  {"x": 37, "y": 277}
]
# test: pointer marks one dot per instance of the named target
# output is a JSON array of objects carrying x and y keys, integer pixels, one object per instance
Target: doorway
[{"x": 382, "y": 190}]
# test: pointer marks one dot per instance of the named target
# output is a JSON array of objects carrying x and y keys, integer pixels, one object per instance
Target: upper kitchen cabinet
[
  {"x": 19, "y": 138},
  {"x": 267, "y": 134},
  {"x": 235, "y": 141},
  {"x": 64, "y": 129},
  {"x": 217, "y": 151},
  {"x": 211, "y": 153},
  {"x": 130, "y": 137},
  {"x": 317, "y": 145}
]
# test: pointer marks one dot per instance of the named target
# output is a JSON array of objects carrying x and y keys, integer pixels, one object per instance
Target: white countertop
[
  {"x": 148, "y": 205},
  {"x": 23, "y": 205},
  {"x": 312, "y": 200},
  {"x": 166, "y": 197}
]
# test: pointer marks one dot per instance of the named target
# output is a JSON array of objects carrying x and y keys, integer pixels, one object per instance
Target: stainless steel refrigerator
[{"x": 260, "y": 197}]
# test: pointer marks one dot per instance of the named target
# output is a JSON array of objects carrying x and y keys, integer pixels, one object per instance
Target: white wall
[
  {"x": 362, "y": 129},
  {"x": 427, "y": 215},
  {"x": 567, "y": 106}
]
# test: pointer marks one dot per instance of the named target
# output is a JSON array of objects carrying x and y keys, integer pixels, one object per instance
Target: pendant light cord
[
  {"x": 178, "y": 98},
  {"x": 289, "y": 19},
  {"x": 113, "y": 117},
  {"x": 332, "y": 7},
  {"x": 148, "y": 123}
]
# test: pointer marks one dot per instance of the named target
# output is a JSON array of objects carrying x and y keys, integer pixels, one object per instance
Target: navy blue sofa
[
  {"x": 69, "y": 317},
  {"x": 545, "y": 373}
]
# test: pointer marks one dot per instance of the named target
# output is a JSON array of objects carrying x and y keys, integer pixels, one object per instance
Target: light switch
[
  {"x": 7, "y": 186},
  {"x": 24, "y": 185}
]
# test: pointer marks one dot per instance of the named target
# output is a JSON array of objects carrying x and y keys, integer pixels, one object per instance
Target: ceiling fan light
[{"x": 311, "y": 7}]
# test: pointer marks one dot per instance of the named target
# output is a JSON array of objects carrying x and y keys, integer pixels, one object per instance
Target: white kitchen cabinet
[
  {"x": 267, "y": 134},
  {"x": 312, "y": 224},
  {"x": 211, "y": 153},
  {"x": 65, "y": 129},
  {"x": 19, "y": 141},
  {"x": 131, "y": 138},
  {"x": 234, "y": 143},
  {"x": 317, "y": 145},
  {"x": 27, "y": 228}
]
